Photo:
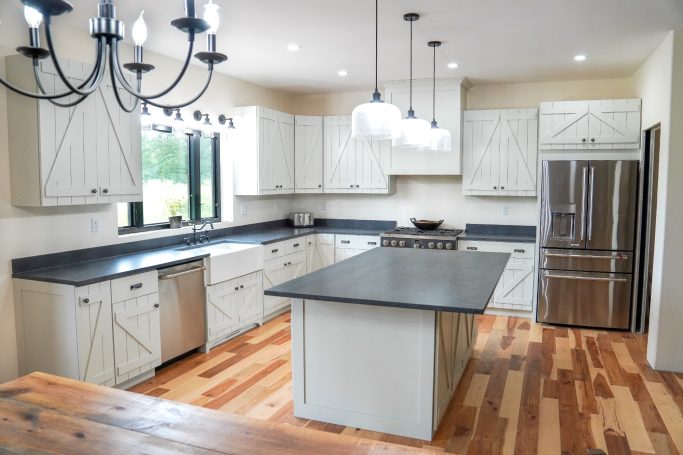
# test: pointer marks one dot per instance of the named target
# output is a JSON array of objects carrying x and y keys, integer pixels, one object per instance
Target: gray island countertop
[{"x": 455, "y": 281}]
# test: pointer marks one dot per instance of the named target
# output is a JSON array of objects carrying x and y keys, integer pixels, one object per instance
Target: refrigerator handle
[
  {"x": 583, "y": 198},
  {"x": 590, "y": 204}
]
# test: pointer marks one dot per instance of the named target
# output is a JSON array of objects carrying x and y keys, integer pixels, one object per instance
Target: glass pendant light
[
  {"x": 145, "y": 118},
  {"x": 439, "y": 138},
  {"x": 414, "y": 131},
  {"x": 376, "y": 119}
]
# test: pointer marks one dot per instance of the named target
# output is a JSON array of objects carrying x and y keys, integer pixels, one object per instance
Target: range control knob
[
  {"x": 385, "y": 243},
  {"x": 449, "y": 246},
  {"x": 431, "y": 245},
  {"x": 416, "y": 245},
  {"x": 402, "y": 244},
  {"x": 393, "y": 243},
  {"x": 439, "y": 245}
]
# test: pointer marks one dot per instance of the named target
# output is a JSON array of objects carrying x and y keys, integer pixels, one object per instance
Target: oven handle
[
  {"x": 186, "y": 272},
  {"x": 584, "y": 256},
  {"x": 583, "y": 278}
]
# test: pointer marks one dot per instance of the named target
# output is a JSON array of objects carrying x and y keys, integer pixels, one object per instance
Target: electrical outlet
[
  {"x": 506, "y": 209},
  {"x": 243, "y": 209},
  {"x": 94, "y": 225}
]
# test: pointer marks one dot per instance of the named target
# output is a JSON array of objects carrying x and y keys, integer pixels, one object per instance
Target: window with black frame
[{"x": 180, "y": 177}]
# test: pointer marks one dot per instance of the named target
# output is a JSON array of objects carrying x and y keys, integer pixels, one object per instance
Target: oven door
[{"x": 585, "y": 299}]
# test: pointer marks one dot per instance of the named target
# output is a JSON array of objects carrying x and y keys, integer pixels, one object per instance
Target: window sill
[{"x": 161, "y": 227}]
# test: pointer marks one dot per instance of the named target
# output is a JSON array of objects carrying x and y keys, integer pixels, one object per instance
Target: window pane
[
  {"x": 165, "y": 176},
  {"x": 123, "y": 214},
  {"x": 206, "y": 177}
]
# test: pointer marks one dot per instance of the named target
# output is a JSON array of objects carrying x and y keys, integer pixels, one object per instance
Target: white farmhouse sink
[{"x": 231, "y": 260}]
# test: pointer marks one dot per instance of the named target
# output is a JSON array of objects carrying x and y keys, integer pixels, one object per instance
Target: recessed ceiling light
[
  {"x": 293, "y": 47},
  {"x": 342, "y": 73},
  {"x": 452, "y": 65},
  {"x": 580, "y": 57}
]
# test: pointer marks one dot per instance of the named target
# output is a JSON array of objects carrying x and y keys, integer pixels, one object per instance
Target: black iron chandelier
[{"x": 108, "y": 31}]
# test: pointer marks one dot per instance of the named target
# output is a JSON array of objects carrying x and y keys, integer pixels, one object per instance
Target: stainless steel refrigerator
[{"x": 587, "y": 241}]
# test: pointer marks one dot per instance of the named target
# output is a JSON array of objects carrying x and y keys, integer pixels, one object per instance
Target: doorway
[{"x": 647, "y": 227}]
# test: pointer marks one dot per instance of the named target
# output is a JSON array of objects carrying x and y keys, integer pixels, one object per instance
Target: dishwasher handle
[{"x": 186, "y": 272}]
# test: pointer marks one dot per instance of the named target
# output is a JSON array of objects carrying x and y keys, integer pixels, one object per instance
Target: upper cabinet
[
  {"x": 590, "y": 125},
  {"x": 354, "y": 165},
  {"x": 308, "y": 154},
  {"x": 86, "y": 154},
  {"x": 451, "y": 101},
  {"x": 263, "y": 151},
  {"x": 500, "y": 152}
]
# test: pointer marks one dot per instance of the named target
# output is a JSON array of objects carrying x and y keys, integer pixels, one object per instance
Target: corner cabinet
[
  {"x": 500, "y": 152},
  {"x": 263, "y": 150},
  {"x": 451, "y": 101},
  {"x": 354, "y": 165},
  {"x": 590, "y": 125},
  {"x": 104, "y": 333},
  {"x": 86, "y": 154}
]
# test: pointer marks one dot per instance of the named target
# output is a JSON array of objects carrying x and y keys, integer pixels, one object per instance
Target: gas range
[{"x": 407, "y": 237}]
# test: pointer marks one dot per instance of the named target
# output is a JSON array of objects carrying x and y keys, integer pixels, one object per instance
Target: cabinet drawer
[
  {"x": 274, "y": 250},
  {"x": 516, "y": 250},
  {"x": 133, "y": 286},
  {"x": 295, "y": 245},
  {"x": 357, "y": 242}
]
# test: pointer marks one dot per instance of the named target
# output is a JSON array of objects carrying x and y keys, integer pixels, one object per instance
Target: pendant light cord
[
  {"x": 376, "y": 40},
  {"x": 434, "y": 89},
  {"x": 411, "y": 67}
]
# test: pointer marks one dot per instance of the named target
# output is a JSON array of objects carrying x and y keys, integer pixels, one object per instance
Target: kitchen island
[{"x": 380, "y": 341}]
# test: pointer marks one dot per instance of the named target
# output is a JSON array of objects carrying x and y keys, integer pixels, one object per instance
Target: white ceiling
[{"x": 492, "y": 40}]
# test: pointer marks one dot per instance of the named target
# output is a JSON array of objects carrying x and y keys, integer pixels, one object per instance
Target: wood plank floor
[{"x": 529, "y": 389}]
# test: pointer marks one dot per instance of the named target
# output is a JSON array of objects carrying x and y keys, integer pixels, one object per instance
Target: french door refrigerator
[{"x": 587, "y": 241}]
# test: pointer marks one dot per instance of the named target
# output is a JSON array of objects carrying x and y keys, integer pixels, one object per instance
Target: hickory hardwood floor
[{"x": 529, "y": 389}]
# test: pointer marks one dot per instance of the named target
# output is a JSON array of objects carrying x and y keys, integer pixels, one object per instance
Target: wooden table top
[{"x": 41, "y": 413}]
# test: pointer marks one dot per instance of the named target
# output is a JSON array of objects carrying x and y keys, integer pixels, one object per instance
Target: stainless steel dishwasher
[{"x": 182, "y": 309}]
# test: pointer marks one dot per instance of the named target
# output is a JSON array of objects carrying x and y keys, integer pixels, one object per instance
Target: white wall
[
  {"x": 659, "y": 81},
  {"x": 33, "y": 231}
]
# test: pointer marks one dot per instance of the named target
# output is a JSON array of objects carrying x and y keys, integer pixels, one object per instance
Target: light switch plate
[{"x": 94, "y": 225}]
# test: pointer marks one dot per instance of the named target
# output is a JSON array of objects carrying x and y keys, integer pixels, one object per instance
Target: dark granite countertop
[
  {"x": 499, "y": 233},
  {"x": 84, "y": 272},
  {"x": 455, "y": 281}
]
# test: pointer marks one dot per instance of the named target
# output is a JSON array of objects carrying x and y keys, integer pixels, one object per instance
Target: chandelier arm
[
  {"x": 186, "y": 103},
  {"x": 58, "y": 67},
  {"x": 126, "y": 85},
  {"x": 113, "y": 77},
  {"x": 93, "y": 80}
]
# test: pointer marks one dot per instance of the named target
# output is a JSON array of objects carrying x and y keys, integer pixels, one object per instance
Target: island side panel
[{"x": 364, "y": 366}]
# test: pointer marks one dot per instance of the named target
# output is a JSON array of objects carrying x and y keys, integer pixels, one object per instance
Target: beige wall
[
  {"x": 32, "y": 231},
  {"x": 659, "y": 81}
]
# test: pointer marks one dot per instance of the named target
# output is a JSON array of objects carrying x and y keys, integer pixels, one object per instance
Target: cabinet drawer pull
[
  {"x": 135, "y": 286},
  {"x": 372, "y": 243},
  {"x": 94, "y": 191},
  {"x": 296, "y": 245},
  {"x": 472, "y": 248},
  {"x": 105, "y": 191},
  {"x": 156, "y": 305},
  {"x": 275, "y": 250},
  {"x": 346, "y": 241},
  {"x": 519, "y": 250}
]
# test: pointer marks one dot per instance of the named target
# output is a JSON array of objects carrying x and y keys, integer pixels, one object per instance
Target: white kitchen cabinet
[
  {"x": 278, "y": 271},
  {"x": 86, "y": 154},
  {"x": 94, "y": 333},
  {"x": 347, "y": 246},
  {"x": 515, "y": 290},
  {"x": 232, "y": 306},
  {"x": 590, "y": 125},
  {"x": 263, "y": 151},
  {"x": 319, "y": 251},
  {"x": 500, "y": 152},
  {"x": 354, "y": 165},
  {"x": 308, "y": 154},
  {"x": 451, "y": 101}
]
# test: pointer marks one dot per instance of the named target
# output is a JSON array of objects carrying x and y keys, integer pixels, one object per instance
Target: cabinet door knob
[
  {"x": 583, "y": 140},
  {"x": 357, "y": 186},
  {"x": 351, "y": 186},
  {"x": 495, "y": 187},
  {"x": 592, "y": 139},
  {"x": 86, "y": 300},
  {"x": 241, "y": 286},
  {"x": 237, "y": 288},
  {"x": 502, "y": 187},
  {"x": 105, "y": 190},
  {"x": 320, "y": 186},
  {"x": 94, "y": 191},
  {"x": 156, "y": 305}
]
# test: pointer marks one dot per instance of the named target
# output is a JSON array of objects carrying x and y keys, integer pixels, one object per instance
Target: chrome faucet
[{"x": 204, "y": 237}]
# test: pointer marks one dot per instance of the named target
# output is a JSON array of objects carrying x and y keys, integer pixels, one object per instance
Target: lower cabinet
[
  {"x": 515, "y": 290},
  {"x": 278, "y": 271},
  {"x": 347, "y": 246},
  {"x": 232, "y": 306},
  {"x": 319, "y": 251},
  {"x": 105, "y": 333}
]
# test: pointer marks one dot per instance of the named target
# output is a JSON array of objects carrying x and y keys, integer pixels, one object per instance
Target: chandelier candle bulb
[
  {"x": 211, "y": 16},
  {"x": 33, "y": 17}
]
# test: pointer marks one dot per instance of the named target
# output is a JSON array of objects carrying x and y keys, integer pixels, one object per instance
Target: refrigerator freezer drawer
[
  {"x": 587, "y": 261},
  {"x": 584, "y": 299}
]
